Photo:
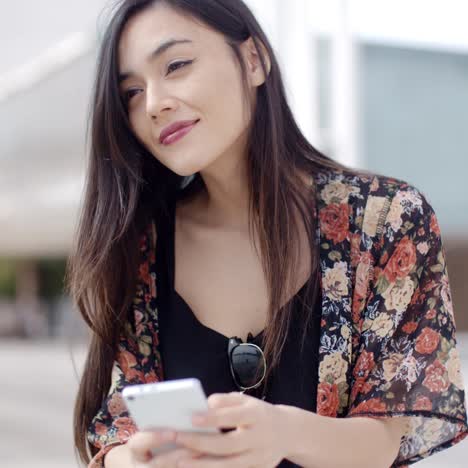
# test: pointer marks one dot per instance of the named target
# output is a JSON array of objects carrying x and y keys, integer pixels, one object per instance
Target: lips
[{"x": 174, "y": 127}]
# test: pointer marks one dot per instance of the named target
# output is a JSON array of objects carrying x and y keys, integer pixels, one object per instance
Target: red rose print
[
  {"x": 115, "y": 405},
  {"x": 377, "y": 273},
  {"x": 123, "y": 422},
  {"x": 144, "y": 272},
  {"x": 363, "y": 365},
  {"x": 402, "y": 261},
  {"x": 409, "y": 327},
  {"x": 125, "y": 428},
  {"x": 434, "y": 226},
  {"x": 374, "y": 405},
  {"x": 334, "y": 220},
  {"x": 362, "y": 275},
  {"x": 151, "y": 376},
  {"x": 355, "y": 252},
  {"x": 328, "y": 399},
  {"x": 430, "y": 314},
  {"x": 417, "y": 297},
  {"x": 101, "y": 429},
  {"x": 383, "y": 258},
  {"x": 361, "y": 386},
  {"x": 436, "y": 378},
  {"x": 139, "y": 323},
  {"x": 430, "y": 285},
  {"x": 367, "y": 387},
  {"x": 128, "y": 363},
  {"x": 357, "y": 387},
  {"x": 363, "y": 272},
  {"x": 127, "y": 360},
  {"x": 422, "y": 403},
  {"x": 427, "y": 341},
  {"x": 358, "y": 304}
]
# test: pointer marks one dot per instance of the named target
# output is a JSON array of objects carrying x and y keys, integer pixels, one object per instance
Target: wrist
[{"x": 294, "y": 421}]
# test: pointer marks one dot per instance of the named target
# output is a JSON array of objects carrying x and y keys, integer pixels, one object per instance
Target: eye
[
  {"x": 128, "y": 94},
  {"x": 175, "y": 65}
]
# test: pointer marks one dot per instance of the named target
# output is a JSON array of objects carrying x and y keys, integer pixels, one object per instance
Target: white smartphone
[{"x": 169, "y": 404}]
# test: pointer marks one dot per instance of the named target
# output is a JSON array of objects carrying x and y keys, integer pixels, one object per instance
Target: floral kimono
[{"x": 388, "y": 344}]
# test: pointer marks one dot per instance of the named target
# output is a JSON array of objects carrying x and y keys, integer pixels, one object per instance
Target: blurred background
[{"x": 377, "y": 84}]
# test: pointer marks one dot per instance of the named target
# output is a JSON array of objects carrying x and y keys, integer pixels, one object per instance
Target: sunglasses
[{"x": 247, "y": 364}]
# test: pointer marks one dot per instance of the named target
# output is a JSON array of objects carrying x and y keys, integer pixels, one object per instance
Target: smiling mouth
[{"x": 179, "y": 134}]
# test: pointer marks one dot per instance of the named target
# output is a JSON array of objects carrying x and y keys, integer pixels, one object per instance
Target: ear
[{"x": 253, "y": 63}]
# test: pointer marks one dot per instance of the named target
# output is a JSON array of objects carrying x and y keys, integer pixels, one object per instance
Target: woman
[{"x": 208, "y": 216}]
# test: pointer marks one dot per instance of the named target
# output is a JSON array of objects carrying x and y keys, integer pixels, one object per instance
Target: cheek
[{"x": 222, "y": 97}]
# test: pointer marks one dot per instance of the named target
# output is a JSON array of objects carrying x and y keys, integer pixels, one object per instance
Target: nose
[{"x": 157, "y": 101}]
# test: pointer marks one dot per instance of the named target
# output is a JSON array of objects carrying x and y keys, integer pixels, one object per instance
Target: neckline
[{"x": 175, "y": 294}]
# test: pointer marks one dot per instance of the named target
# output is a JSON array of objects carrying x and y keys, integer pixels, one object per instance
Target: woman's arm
[
  {"x": 118, "y": 457},
  {"x": 325, "y": 442}
]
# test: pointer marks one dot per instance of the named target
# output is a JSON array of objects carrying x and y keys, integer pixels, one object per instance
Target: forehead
[{"x": 146, "y": 30}]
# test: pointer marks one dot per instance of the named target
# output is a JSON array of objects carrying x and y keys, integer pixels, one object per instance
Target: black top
[{"x": 191, "y": 349}]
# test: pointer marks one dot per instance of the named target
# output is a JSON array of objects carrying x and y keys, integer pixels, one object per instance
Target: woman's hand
[
  {"x": 141, "y": 444},
  {"x": 258, "y": 440}
]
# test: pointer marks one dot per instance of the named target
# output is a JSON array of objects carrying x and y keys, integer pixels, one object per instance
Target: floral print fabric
[{"x": 388, "y": 344}]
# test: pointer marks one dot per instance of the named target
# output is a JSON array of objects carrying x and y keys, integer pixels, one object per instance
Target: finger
[
  {"x": 238, "y": 461},
  {"x": 229, "y": 416},
  {"x": 141, "y": 443},
  {"x": 171, "y": 459},
  {"x": 219, "y": 400},
  {"x": 228, "y": 443}
]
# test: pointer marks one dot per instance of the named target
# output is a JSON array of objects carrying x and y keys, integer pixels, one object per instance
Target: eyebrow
[{"x": 156, "y": 53}]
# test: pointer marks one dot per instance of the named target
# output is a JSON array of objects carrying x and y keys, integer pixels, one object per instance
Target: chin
[
  {"x": 185, "y": 171},
  {"x": 186, "y": 166}
]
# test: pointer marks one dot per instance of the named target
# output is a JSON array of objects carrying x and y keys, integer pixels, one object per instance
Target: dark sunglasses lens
[{"x": 246, "y": 360}]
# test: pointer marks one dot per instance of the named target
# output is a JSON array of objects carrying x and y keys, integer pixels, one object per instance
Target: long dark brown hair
[{"x": 126, "y": 184}]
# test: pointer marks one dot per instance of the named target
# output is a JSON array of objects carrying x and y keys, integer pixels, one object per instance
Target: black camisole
[{"x": 191, "y": 349}]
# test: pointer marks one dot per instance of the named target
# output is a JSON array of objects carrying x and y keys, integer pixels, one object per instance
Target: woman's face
[{"x": 195, "y": 79}]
